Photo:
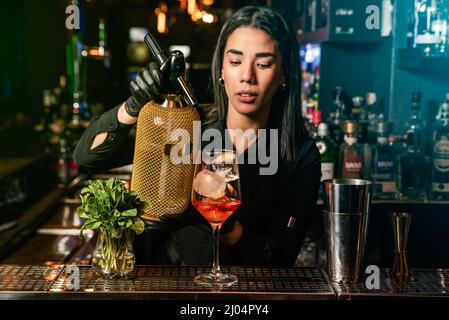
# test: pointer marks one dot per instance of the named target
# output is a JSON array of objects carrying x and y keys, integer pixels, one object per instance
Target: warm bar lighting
[
  {"x": 161, "y": 20},
  {"x": 208, "y": 18},
  {"x": 197, "y": 15},
  {"x": 183, "y": 4},
  {"x": 191, "y": 6}
]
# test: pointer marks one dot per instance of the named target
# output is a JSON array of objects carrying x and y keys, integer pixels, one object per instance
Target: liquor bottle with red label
[{"x": 350, "y": 160}]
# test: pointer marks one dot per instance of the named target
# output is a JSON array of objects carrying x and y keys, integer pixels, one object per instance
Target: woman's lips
[{"x": 246, "y": 97}]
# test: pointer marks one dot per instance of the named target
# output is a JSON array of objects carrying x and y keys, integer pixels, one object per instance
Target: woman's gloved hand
[
  {"x": 167, "y": 224},
  {"x": 171, "y": 222},
  {"x": 144, "y": 88}
]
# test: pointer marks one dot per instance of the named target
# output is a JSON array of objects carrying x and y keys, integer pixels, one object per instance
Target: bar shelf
[{"x": 414, "y": 59}]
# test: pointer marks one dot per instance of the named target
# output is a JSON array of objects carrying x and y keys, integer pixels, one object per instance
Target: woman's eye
[
  {"x": 264, "y": 65},
  {"x": 234, "y": 62}
]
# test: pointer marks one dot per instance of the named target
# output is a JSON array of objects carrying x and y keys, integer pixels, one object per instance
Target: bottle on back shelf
[
  {"x": 328, "y": 151},
  {"x": 350, "y": 158},
  {"x": 415, "y": 126},
  {"x": 308, "y": 118},
  {"x": 48, "y": 115},
  {"x": 315, "y": 88},
  {"x": 397, "y": 142},
  {"x": 384, "y": 164},
  {"x": 374, "y": 114},
  {"x": 62, "y": 167},
  {"x": 338, "y": 116},
  {"x": 356, "y": 108},
  {"x": 65, "y": 109},
  {"x": 440, "y": 156},
  {"x": 366, "y": 148},
  {"x": 440, "y": 117},
  {"x": 316, "y": 120},
  {"x": 413, "y": 163}
]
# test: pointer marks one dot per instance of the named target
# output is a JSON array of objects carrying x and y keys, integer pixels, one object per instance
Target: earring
[
  {"x": 283, "y": 86},
  {"x": 221, "y": 81}
]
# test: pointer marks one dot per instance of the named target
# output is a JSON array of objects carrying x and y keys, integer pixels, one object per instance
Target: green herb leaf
[
  {"x": 138, "y": 226},
  {"x": 129, "y": 213},
  {"x": 125, "y": 223},
  {"x": 108, "y": 205},
  {"x": 92, "y": 224}
]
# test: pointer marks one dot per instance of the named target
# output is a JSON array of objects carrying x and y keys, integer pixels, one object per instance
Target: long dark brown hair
[{"x": 285, "y": 113}]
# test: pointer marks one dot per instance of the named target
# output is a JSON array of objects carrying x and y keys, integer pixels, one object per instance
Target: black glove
[
  {"x": 144, "y": 88},
  {"x": 171, "y": 222}
]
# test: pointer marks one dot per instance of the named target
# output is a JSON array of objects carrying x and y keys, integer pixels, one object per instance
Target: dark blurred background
[
  {"x": 38, "y": 49},
  {"x": 40, "y": 53}
]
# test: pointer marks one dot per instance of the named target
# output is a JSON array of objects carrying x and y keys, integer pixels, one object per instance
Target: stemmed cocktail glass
[{"x": 216, "y": 195}]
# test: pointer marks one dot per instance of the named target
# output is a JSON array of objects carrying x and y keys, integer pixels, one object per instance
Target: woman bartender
[{"x": 256, "y": 82}]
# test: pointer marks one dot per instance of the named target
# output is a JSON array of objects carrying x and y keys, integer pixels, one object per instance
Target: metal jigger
[{"x": 401, "y": 227}]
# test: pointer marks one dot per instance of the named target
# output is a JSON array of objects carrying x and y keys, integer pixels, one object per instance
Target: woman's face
[{"x": 252, "y": 71}]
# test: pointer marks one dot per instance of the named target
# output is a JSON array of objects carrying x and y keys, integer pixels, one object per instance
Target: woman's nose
[{"x": 247, "y": 74}]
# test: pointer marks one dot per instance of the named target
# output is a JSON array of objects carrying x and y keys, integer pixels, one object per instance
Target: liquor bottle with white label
[
  {"x": 328, "y": 151},
  {"x": 440, "y": 156},
  {"x": 384, "y": 164},
  {"x": 350, "y": 160}
]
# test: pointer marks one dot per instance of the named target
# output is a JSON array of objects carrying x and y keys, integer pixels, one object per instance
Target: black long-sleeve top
[{"x": 275, "y": 213}]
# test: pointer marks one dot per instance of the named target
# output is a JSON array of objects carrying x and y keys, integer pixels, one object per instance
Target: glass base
[{"x": 216, "y": 280}]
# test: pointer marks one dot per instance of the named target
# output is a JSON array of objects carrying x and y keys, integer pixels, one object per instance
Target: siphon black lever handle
[{"x": 176, "y": 63}]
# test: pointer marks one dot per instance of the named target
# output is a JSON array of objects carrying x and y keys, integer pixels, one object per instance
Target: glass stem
[{"x": 216, "y": 262}]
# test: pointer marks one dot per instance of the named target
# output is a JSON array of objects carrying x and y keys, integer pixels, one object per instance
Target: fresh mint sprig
[{"x": 109, "y": 206}]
